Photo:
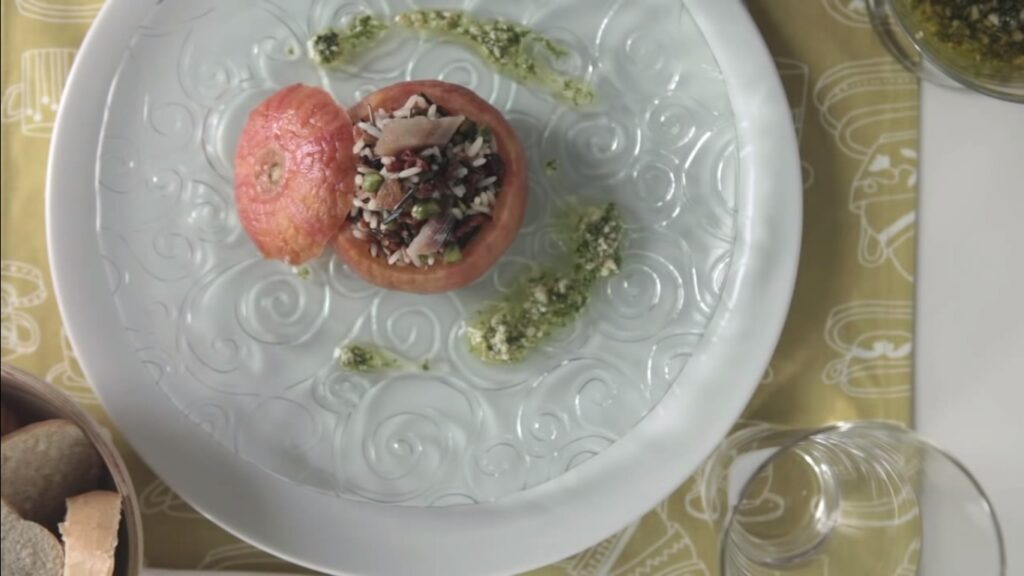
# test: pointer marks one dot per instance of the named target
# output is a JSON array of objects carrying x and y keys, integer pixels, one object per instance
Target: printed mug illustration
[
  {"x": 706, "y": 496},
  {"x": 662, "y": 547},
  {"x": 21, "y": 287},
  {"x": 850, "y": 12},
  {"x": 874, "y": 340},
  {"x": 67, "y": 374},
  {"x": 597, "y": 559},
  {"x": 910, "y": 560},
  {"x": 883, "y": 136},
  {"x": 242, "y": 557},
  {"x": 794, "y": 75},
  {"x": 883, "y": 196},
  {"x": 59, "y": 11},
  {"x": 34, "y": 100},
  {"x": 158, "y": 498},
  {"x": 795, "y": 81}
]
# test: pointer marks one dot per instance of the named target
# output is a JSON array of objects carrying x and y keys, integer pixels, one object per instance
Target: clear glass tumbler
[
  {"x": 940, "y": 49},
  {"x": 859, "y": 499}
]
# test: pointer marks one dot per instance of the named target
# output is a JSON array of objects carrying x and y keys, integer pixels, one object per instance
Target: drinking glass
[{"x": 850, "y": 499}]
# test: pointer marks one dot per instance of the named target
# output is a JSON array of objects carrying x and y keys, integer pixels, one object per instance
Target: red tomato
[
  {"x": 491, "y": 241},
  {"x": 294, "y": 173}
]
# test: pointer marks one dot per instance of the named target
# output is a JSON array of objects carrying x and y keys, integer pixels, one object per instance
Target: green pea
[
  {"x": 425, "y": 210},
  {"x": 372, "y": 182},
  {"x": 452, "y": 254}
]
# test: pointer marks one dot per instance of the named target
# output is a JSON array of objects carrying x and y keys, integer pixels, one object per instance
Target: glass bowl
[{"x": 916, "y": 41}]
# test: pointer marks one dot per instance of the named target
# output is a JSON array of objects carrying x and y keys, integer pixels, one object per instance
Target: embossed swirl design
[{"x": 246, "y": 347}]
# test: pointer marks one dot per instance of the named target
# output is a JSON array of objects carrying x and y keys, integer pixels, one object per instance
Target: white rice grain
[
  {"x": 370, "y": 129},
  {"x": 488, "y": 181},
  {"x": 410, "y": 172},
  {"x": 479, "y": 162},
  {"x": 363, "y": 169},
  {"x": 432, "y": 111},
  {"x": 387, "y": 160},
  {"x": 474, "y": 148},
  {"x": 395, "y": 257},
  {"x": 374, "y": 249},
  {"x": 459, "y": 190},
  {"x": 360, "y": 144}
]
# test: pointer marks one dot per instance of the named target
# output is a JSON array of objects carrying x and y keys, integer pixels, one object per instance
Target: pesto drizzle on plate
[
  {"x": 507, "y": 330},
  {"x": 334, "y": 47},
  {"x": 512, "y": 49},
  {"x": 366, "y": 358}
]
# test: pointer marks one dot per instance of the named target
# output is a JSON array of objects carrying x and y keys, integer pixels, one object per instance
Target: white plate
[{"x": 216, "y": 365}]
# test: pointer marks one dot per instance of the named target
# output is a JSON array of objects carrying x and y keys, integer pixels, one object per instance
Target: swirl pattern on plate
[{"x": 246, "y": 347}]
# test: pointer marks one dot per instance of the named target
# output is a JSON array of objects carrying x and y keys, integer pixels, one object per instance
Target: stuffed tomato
[{"x": 440, "y": 188}]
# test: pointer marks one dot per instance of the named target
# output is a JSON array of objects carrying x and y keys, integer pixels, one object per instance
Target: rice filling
[{"x": 426, "y": 182}]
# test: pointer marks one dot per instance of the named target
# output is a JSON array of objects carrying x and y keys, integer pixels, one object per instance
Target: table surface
[{"x": 969, "y": 334}]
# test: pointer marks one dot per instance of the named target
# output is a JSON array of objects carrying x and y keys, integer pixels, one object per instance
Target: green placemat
[{"x": 845, "y": 352}]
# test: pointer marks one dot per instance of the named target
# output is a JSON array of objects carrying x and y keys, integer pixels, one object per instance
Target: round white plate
[{"x": 218, "y": 365}]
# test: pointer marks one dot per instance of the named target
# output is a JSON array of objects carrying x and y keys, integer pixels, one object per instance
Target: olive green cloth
[{"x": 845, "y": 352}]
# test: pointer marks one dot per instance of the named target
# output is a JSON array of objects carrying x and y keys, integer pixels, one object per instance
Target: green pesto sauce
[
  {"x": 335, "y": 47},
  {"x": 551, "y": 167},
  {"x": 507, "y": 330},
  {"x": 510, "y": 48},
  {"x": 982, "y": 31},
  {"x": 366, "y": 358}
]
